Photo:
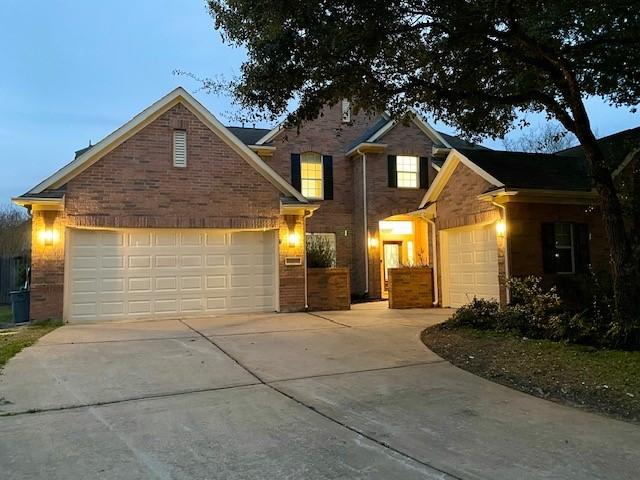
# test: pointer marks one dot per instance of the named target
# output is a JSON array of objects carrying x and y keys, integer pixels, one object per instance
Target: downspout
[
  {"x": 506, "y": 248},
  {"x": 365, "y": 223},
  {"x": 304, "y": 253},
  {"x": 434, "y": 262}
]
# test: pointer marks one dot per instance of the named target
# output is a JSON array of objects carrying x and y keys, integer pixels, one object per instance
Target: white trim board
[
  {"x": 442, "y": 178},
  {"x": 133, "y": 126}
]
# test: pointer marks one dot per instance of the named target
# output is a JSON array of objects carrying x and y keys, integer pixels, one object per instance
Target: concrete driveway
[{"x": 337, "y": 395}]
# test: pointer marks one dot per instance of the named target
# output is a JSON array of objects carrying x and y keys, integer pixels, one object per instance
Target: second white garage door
[
  {"x": 471, "y": 270},
  {"x": 116, "y": 274}
]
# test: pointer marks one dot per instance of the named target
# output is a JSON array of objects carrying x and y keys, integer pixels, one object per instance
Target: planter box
[
  {"x": 410, "y": 287},
  {"x": 328, "y": 288}
]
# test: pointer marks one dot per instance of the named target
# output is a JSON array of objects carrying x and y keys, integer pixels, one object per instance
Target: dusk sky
[{"x": 73, "y": 71}]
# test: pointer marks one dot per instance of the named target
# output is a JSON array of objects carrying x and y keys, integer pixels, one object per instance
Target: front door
[{"x": 391, "y": 259}]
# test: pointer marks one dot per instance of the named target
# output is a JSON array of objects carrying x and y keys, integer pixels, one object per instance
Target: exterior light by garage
[
  {"x": 293, "y": 239},
  {"x": 48, "y": 234},
  {"x": 501, "y": 228}
]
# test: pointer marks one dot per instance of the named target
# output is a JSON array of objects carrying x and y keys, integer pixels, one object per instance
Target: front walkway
[{"x": 328, "y": 395}]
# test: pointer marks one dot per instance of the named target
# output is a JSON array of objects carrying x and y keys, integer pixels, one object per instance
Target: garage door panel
[
  {"x": 140, "y": 273},
  {"x": 472, "y": 265}
]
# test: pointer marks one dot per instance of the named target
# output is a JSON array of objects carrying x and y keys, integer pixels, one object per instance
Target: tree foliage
[
  {"x": 15, "y": 231},
  {"x": 473, "y": 64}
]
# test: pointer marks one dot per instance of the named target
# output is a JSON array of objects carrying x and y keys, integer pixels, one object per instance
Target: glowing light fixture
[
  {"x": 396, "y": 227},
  {"x": 293, "y": 239},
  {"x": 373, "y": 242},
  {"x": 46, "y": 236},
  {"x": 501, "y": 228}
]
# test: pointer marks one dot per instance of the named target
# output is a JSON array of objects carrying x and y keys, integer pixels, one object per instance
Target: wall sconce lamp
[
  {"x": 372, "y": 242},
  {"x": 501, "y": 228},
  {"x": 48, "y": 235},
  {"x": 293, "y": 239}
]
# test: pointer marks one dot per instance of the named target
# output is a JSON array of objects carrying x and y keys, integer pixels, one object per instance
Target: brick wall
[
  {"x": 525, "y": 237},
  {"x": 291, "y": 276},
  {"x": 136, "y": 184},
  {"x": 326, "y": 135},
  {"x": 329, "y": 289},
  {"x": 47, "y": 266},
  {"x": 384, "y": 201},
  {"x": 410, "y": 287}
]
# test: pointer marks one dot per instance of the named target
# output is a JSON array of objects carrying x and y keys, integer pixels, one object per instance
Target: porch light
[
  {"x": 501, "y": 228},
  {"x": 396, "y": 227},
  {"x": 373, "y": 242},
  {"x": 293, "y": 239},
  {"x": 47, "y": 236}
]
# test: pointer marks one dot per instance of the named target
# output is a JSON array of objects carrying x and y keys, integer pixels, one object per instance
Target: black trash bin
[{"x": 20, "y": 305}]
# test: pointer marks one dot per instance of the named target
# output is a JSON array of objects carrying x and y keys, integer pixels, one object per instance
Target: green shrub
[
  {"x": 320, "y": 252},
  {"x": 538, "y": 313},
  {"x": 480, "y": 313},
  {"x": 533, "y": 312}
]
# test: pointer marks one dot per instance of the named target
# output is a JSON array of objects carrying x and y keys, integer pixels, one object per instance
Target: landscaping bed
[
  {"x": 602, "y": 380},
  {"x": 12, "y": 340}
]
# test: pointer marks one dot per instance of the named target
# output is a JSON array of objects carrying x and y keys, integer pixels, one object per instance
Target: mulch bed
[{"x": 600, "y": 380}]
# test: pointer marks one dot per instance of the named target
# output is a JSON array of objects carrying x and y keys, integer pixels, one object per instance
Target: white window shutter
[{"x": 179, "y": 148}]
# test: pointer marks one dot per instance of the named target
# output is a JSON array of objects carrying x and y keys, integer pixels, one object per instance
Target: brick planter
[
  {"x": 328, "y": 288},
  {"x": 410, "y": 287}
]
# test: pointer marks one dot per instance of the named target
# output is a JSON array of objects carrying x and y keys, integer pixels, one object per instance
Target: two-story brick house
[{"x": 176, "y": 214}]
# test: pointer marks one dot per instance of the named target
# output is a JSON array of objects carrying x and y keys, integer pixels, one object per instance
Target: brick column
[
  {"x": 291, "y": 276},
  {"x": 47, "y": 265}
]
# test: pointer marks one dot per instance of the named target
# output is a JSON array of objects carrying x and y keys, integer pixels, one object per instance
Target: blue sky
[{"x": 73, "y": 71}]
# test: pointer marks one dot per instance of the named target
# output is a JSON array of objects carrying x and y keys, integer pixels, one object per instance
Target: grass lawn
[
  {"x": 13, "y": 340},
  {"x": 5, "y": 314},
  {"x": 606, "y": 381}
]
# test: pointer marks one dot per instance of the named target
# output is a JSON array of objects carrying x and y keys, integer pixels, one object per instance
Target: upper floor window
[
  {"x": 179, "y": 148},
  {"x": 311, "y": 175},
  {"x": 407, "y": 171}
]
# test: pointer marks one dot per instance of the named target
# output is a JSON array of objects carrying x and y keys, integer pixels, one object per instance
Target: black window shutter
[
  {"x": 581, "y": 247},
  {"x": 424, "y": 172},
  {"x": 295, "y": 171},
  {"x": 548, "y": 248},
  {"x": 327, "y": 176},
  {"x": 393, "y": 173}
]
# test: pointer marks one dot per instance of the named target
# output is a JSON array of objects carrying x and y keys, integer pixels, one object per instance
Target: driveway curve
[{"x": 302, "y": 396}]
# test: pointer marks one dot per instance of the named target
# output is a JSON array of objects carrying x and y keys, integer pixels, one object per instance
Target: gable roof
[
  {"x": 515, "y": 170},
  {"x": 89, "y": 156},
  {"x": 457, "y": 142}
]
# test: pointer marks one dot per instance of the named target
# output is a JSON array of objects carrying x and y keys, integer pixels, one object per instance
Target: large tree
[{"x": 474, "y": 64}]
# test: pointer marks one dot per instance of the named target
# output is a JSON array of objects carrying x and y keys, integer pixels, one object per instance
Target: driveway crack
[{"x": 326, "y": 416}]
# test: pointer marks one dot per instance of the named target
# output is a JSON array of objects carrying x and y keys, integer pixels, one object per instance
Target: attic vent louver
[{"x": 180, "y": 148}]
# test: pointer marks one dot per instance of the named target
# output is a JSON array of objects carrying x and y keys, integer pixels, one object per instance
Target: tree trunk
[{"x": 625, "y": 270}]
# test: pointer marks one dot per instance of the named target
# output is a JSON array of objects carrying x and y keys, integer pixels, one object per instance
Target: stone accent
[
  {"x": 410, "y": 287},
  {"x": 328, "y": 288}
]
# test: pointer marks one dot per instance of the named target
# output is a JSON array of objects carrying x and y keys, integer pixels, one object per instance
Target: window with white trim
[
  {"x": 180, "y": 148},
  {"x": 407, "y": 171},
  {"x": 311, "y": 175}
]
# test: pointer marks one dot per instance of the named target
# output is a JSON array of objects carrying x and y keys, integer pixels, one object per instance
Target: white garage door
[
  {"x": 472, "y": 265},
  {"x": 150, "y": 273}
]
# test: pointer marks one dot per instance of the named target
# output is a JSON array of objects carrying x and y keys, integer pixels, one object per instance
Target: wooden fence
[{"x": 12, "y": 275}]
